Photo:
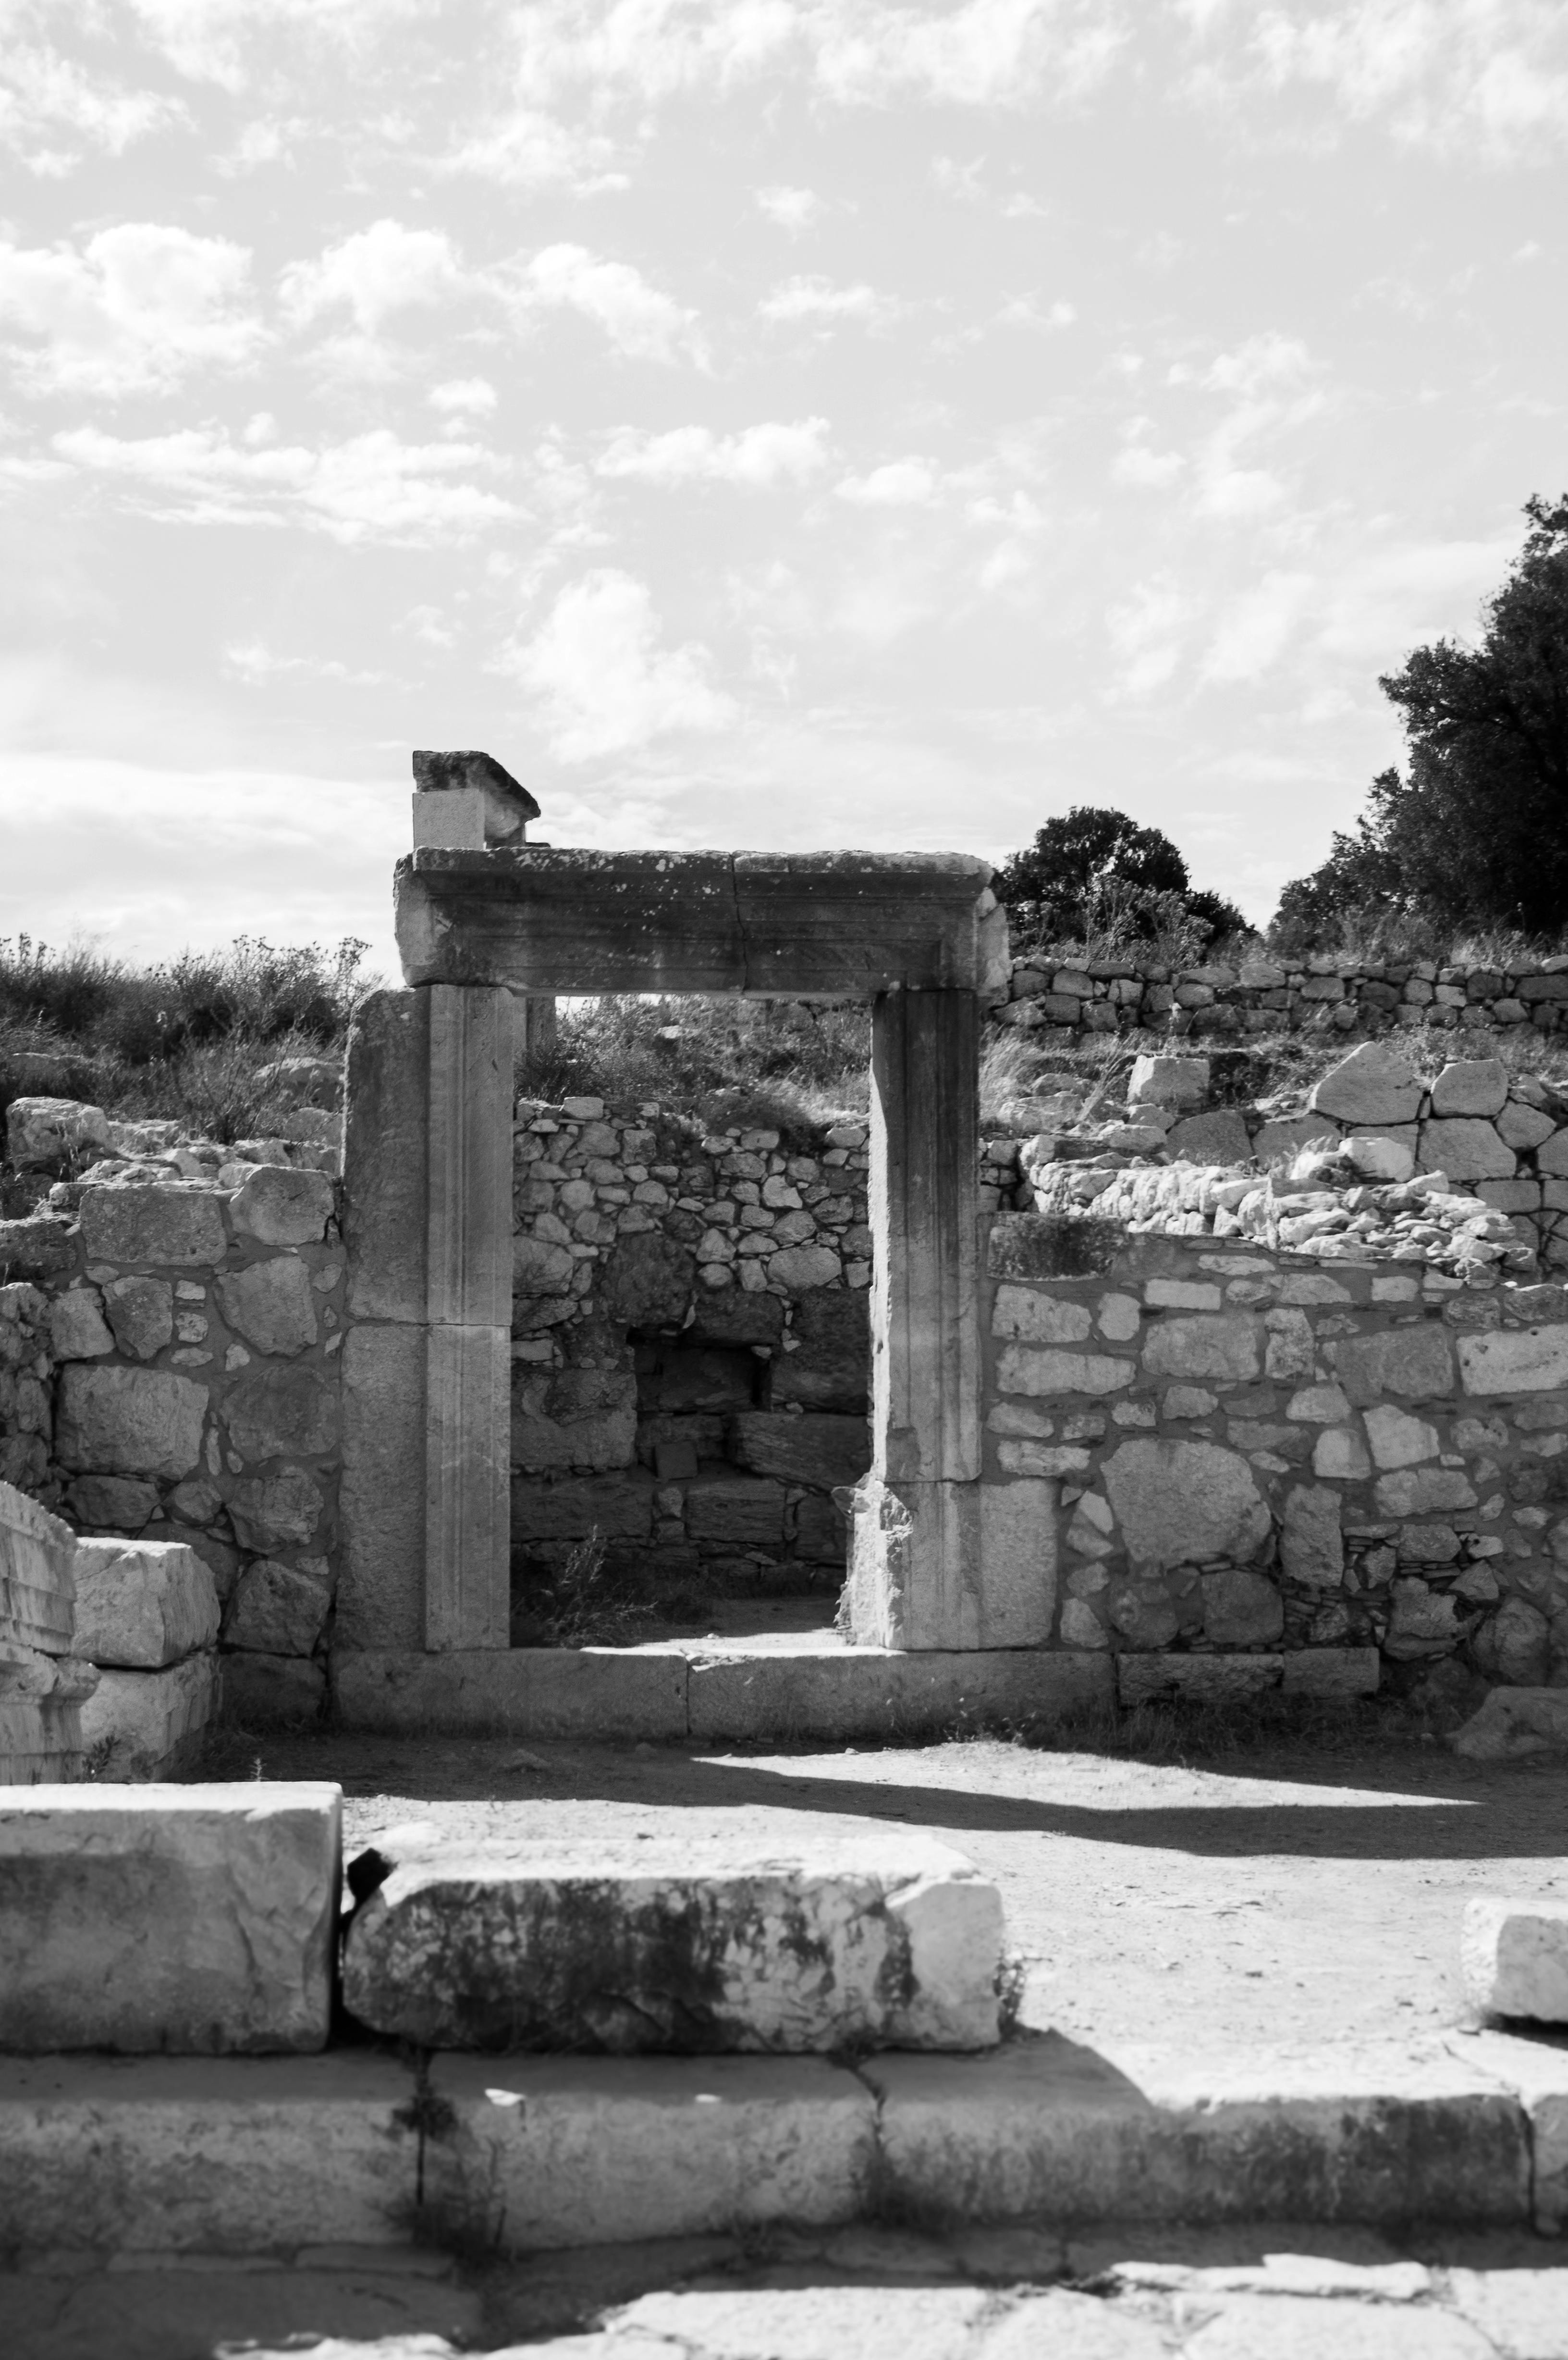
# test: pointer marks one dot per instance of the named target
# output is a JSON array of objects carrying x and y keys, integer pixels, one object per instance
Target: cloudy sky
[{"x": 769, "y": 422}]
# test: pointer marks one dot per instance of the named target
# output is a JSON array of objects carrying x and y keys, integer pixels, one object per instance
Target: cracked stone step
[{"x": 673, "y": 1943}]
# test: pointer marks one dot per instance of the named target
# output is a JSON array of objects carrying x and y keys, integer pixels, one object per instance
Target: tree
[
  {"x": 1475, "y": 831},
  {"x": 1094, "y": 870}
]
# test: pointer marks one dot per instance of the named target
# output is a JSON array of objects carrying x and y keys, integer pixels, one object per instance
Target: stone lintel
[{"x": 779, "y": 925}]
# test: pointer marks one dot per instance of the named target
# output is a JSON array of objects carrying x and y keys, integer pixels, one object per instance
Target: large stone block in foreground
[
  {"x": 190, "y": 1920},
  {"x": 693, "y": 1944},
  {"x": 1515, "y": 1957},
  {"x": 143, "y": 1603}
]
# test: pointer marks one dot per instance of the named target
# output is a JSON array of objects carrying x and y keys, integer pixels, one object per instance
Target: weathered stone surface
[
  {"x": 540, "y": 1268},
  {"x": 78, "y": 1330},
  {"x": 1031, "y": 1317},
  {"x": 278, "y": 1511},
  {"x": 116, "y": 1503},
  {"x": 1423, "y": 1622},
  {"x": 1524, "y": 1127},
  {"x": 1513, "y": 1723},
  {"x": 142, "y": 1603},
  {"x": 831, "y": 1367},
  {"x": 1144, "y": 1614},
  {"x": 41, "y": 1132},
  {"x": 1208, "y": 1679},
  {"x": 648, "y": 1281},
  {"x": 1465, "y": 1151},
  {"x": 276, "y": 1610},
  {"x": 1471, "y": 1086},
  {"x": 1218, "y": 1137},
  {"x": 1420, "y": 1490},
  {"x": 1514, "y": 1955},
  {"x": 1340, "y": 1453},
  {"x": 1028, "y": 1369},
  {"x": 1169, "y": 1081},
  {"x": 128, "y": 1421},
  {"x": 565, "y": 1418},
  {"x": 1181, "y": 1501},
  {"x": 1416, "y": 1361},
  {"x": 1225, "y": 1347},
  {"x": 1311, "y": 1545},
  {"x": 1374, "y": 1085},
  {"x": 279, "y": 1206},
  {"x": 149, "y": 1724},
  {"x": 1332, "y": 1671},
  {"x": 1514, "y": 1360},
  {"x": 190, "y": 1920},
  {"x": 799, "y": 1268},
  {"x": 746, "y": 1510},
  {"x": 817, "y": 1449},
  {"x": 619, "y": 1507},
  {"x": 273, "y": 1413},
  {"x": 685, "y": 1942},
  {"x": 1513, "y": 1646},
  {"x": 1242, "y": 1609},
  {"x": 1377, "y": 1157},
  {"x": 272, "y": 1691},
  {"x": 38, "y": 1248},
  {"x": 141, "y": 1312},
  {"x": 37, "y": 1555},
  {"x": 271, "y": 1303},
  {"x": 179, "y": 1227},
  {"x": 1396, "y": 1438}
]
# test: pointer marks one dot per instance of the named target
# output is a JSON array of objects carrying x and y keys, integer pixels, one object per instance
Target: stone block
[
  {"x": 282, "y": 1412},
  {"x": 40, "y": 1741},
  {"x": 618, "y": 1506},
  {"x": 37, "y": 1250},
  {"x": 830, "y": 1368},
  {"x": 1465, "y": 1151},
  {"x": 386, "y": 1156},
  {"x": 1399, "y": 1439},
  {"x": 279, "y": 1206},
  {"x": 540, "y": 1267},
  {"x": 142, "y": 1604},
  {"x": 278, "y": 1511},
  {"x": 681, "y": 1942},
  {"x": 1514, "y": 1955},
  {"x": 196, "y": 1920},
  {"x": 276, "y": 1610},
  {"x": 173, "y": 1228},
  {"x": 1423, "y": 1622},
  {"x": 1514, "y": 1360},
  {"x": 1017, "y": 1562},
  {"x": 111, "y": 1503},
  {"x": 41, "y": 1132},
  {"x": 117, "y": 1421},
  {"x": 1374, "y": 1085},
  {"x": 1332, "y": 1671},
  {"x": 648, "y": 1281},
  {"x": 827, "y": 1689},
  {"x": 273, "y": 1691},
  {"x": 36, "y": 1581},
  {"x": 1513, "y": 1646},
  {"x": 271, "y": 1303},
  {"x": 583, "y": 1418},
  {"x": 799, "y": 1268},
  {"x": 1200, "y": 1347},
  {"x": 1513, "y": 1723},
  {"x": 1422, "y": 1491},
  {"x": 1288, "y": 1134},
  {"x": 1029, "y": 1369},
  {"x": 817, "y": 1449},
  {"x": 140, "y": 1311},
  {"x": 1416, "y": 1361},
  {"x": 1169, "y": 1081},
  {"x": 78, "y": 1330},
  {"x": 1030, "y": 1317},
  {"x": 747, "y": 1511},
  {"x": 1242, "y": 1609},
  {"x": 141, "y": 1725},
  {"x": 1183, "y": 1500},
  {"x": 1199, "y": 1679},
  {"x": 1220, "y": 1137},
  {"x": 514, "y": 1692},
  {"x": 1311, "y": 1545},
  {"x": 1471, "y": 1086},
  {"x": 382, "y": 1494},
  {"x": 1524, "y": 1127},
  {"x": 1377, "y": 1157}
]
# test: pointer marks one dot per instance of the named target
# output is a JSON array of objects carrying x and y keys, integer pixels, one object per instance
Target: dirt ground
[{"x": 1285, "y": 1900}]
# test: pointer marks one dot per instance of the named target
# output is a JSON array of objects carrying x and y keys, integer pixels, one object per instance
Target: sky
[{"x": 779, "y": 423}]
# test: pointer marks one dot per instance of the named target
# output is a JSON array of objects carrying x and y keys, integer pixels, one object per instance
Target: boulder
[
  {"x": 1169, "y": 1081},
  {"x": 1513, "y": 1646},
  {"x": 177, "y": 1228},
  {"x": 141, "y": 1312},
  {"x": 142, "y": 1603},
  {"x": 178, "y": 1920},
  {"x": 1242, "y": 1609},
  {"x": 282, "y": 1412},
  {"x": 1311, "y": 1543},
  {"x": 128, "y": 1421},
  {"x": 1179, "y": 1501},
  {"x": 1514, "y": 1956},
  {"x": 276, "y": 1510},
  {"x": 271, "y": 1303},
  {"x": 280, "y": 1206},
  {"x": 1513, "y": 1723},
  {"x": 1471, "y": 1086},
  {"x": 822, "y": 1451},
  {"x": 1374, "y": 1085},
  {"x": 150, "y": 1724},
  {"x": 42, "y": 1132},
  {"x": 694, "y": 1943},
  {"x": 77, "y": 1329}
]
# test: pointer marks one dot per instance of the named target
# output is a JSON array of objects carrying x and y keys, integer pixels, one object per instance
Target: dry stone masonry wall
[{"x": 690, "y": 1350}]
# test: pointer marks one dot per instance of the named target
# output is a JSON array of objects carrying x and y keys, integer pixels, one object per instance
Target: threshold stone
[{"x": 672, "y": 1943}]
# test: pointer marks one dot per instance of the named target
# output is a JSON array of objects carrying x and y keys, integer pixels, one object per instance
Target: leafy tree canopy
[
  {"x": 1475, "y": 831},
  {"x": 1092, "y": 870}
]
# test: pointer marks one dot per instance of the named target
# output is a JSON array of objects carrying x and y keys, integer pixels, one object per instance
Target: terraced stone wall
[{"x": 1241, "y": 1456}]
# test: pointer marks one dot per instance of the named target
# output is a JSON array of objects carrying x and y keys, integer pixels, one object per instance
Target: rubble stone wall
[
  {"x": 690, "y": 1350},
  {"x": 1264, "y": 996},
  {"x": 1247, "y": 1455}
]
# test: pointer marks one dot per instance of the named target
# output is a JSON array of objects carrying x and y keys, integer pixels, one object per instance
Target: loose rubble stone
[
  {"x": 182, "y": 1228},
  {"x": 128, "y": 1421},
  {"x": 692, "y": 1943},
  {"x": 141, "y": 1312},
  {"x": 142, "y": 1603},
  {"x": 280, "y": 1206},
  {"x": 276, "y": 1610},
  {"x": 1170, "y": 1081},
  {"x": 1177, "y": 1501},
  {"x": 1515, "y": 1959},
  {"x": 271, "y": 1303},
  {"x": 190, "y": 1920}
]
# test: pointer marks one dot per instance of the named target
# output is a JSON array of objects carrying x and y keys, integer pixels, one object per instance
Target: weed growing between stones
[{"x": 587, "y": 1607}]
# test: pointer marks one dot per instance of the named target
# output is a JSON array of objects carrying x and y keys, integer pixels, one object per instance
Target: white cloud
[
  {"x": 253, "y": 661},
  {"x": 988, "y": 53},
  {"x": 530, "y": 149},
  {"x": 1024, "y": 311},
  {"x": 463, "y": 397},
  {"x": 1137, "y": 462},
  {"x": 792, "y": 209},
  {"x": 603, "y": 681},
  {"x": 208, "y": 40},
  {"x": 637, "y": 319},
  {"x": 1146, "y": 631},
  {"x": 45, "y": 97},
  {"x": 372, "y": 487},
  {"x": 819, "y": 303},
  {"x": 140, "y": 307},
  {"x": 900, "y": 483},
  {"x": 1256, "y": 629},
  {"x": 756, "y": 456},
  {"x": 377, "y": 271}
]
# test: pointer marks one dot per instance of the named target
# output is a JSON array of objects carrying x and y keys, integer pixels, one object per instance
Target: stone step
[
  {"x": 184, "y": 1920},
  {"x": 695, "y": 1944},
  {"x": 252, "y": 2156}
]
